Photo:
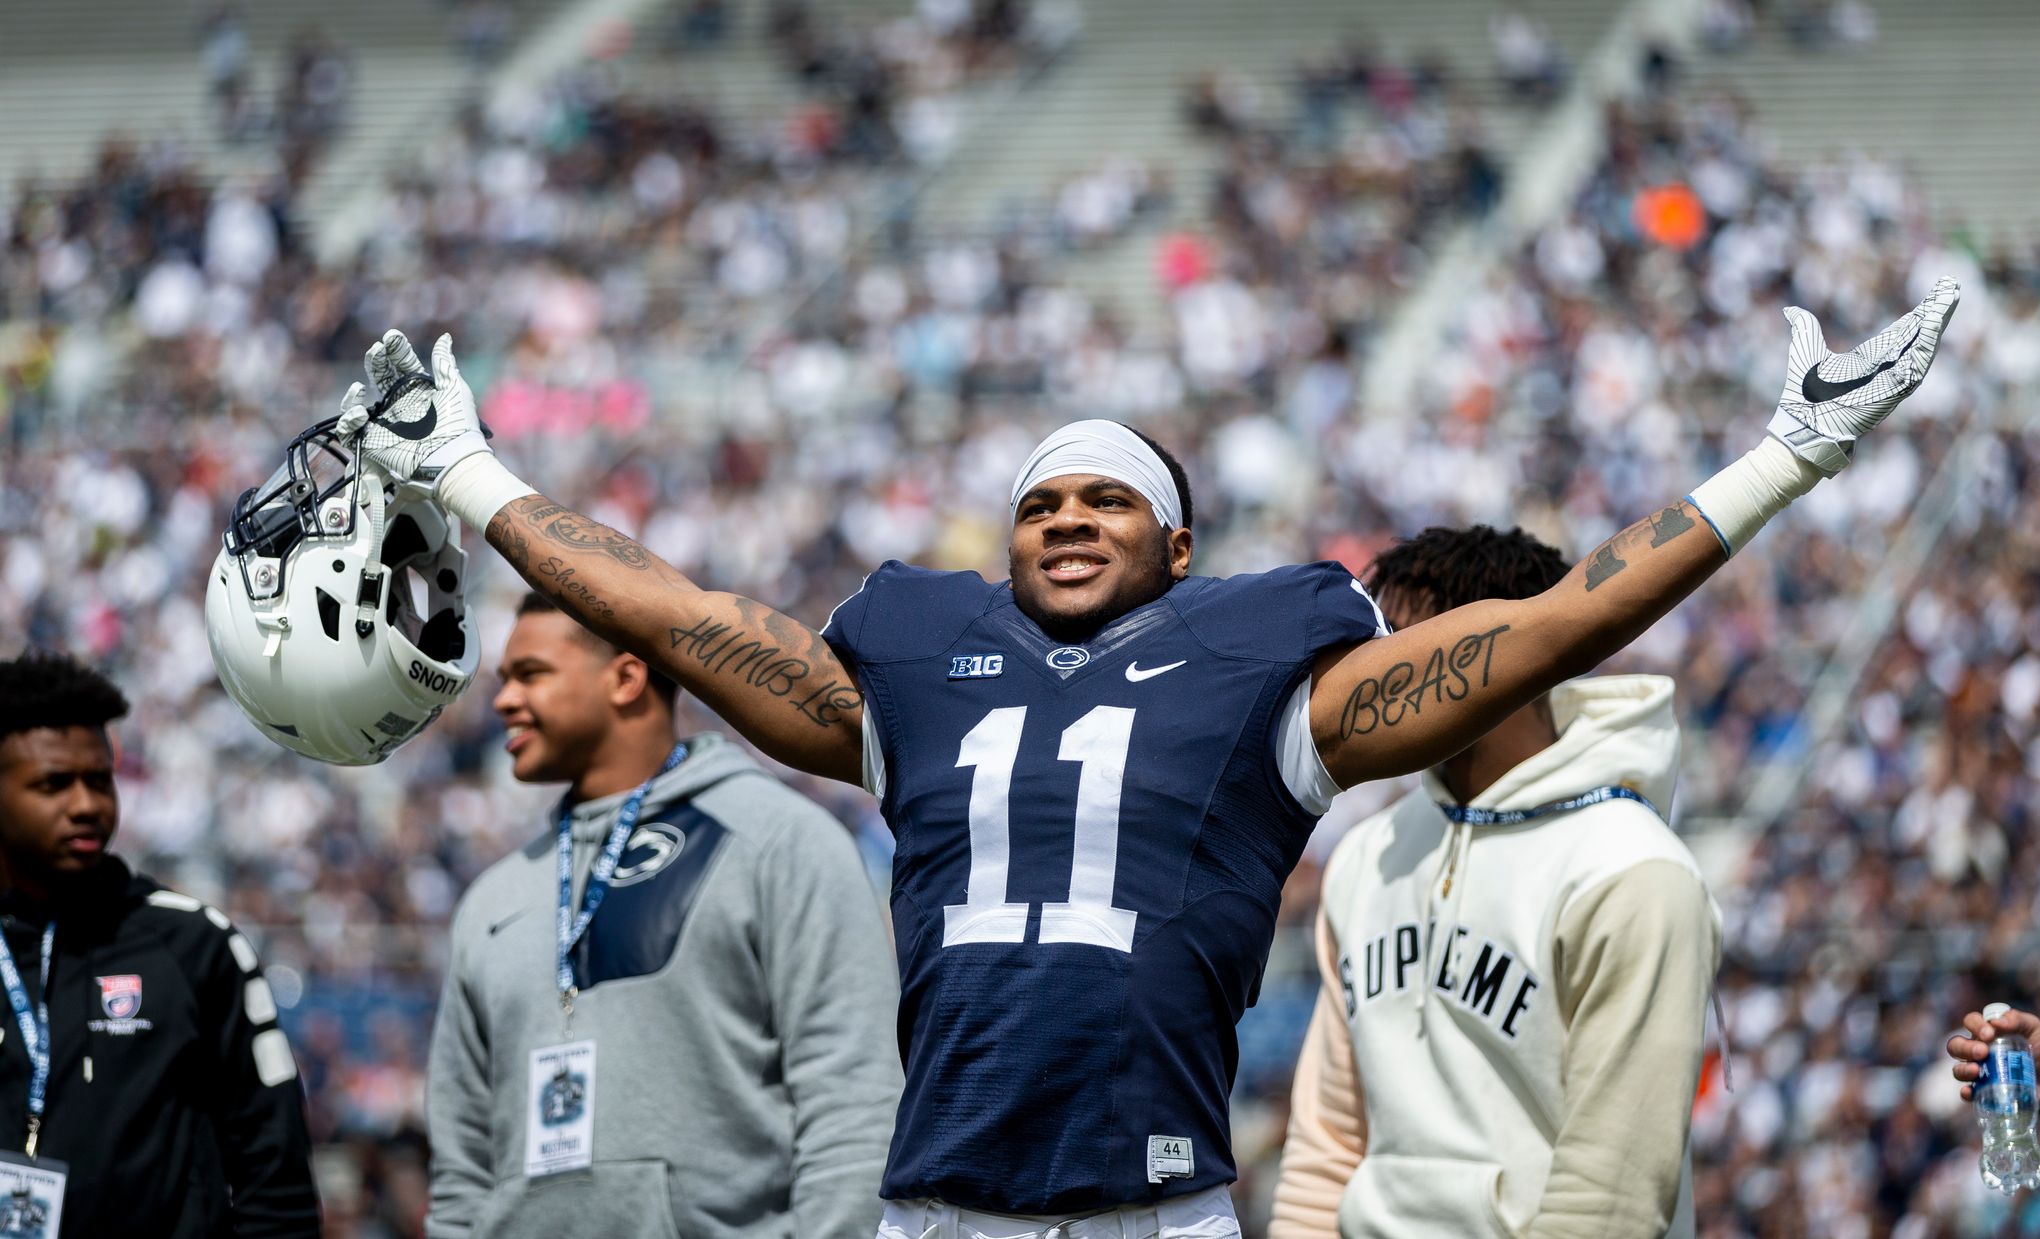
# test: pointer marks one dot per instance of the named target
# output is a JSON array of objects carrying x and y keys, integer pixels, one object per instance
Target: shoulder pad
[
  {"x": 906, "y": 612},
  {"x": 1287, "y": 615}
]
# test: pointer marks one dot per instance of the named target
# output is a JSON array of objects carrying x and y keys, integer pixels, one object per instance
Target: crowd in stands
[
  {"x": 314, "y": 86},
  {"x": 1811, "y": 25},
  {"x": 729, "y": 337}
]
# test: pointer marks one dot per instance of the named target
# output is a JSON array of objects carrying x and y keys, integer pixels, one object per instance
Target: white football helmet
[{"x": 337, "y": 609}]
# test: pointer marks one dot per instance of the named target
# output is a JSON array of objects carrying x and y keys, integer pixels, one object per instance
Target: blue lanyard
[
  {"x": 571, "y": 927},
  {"x": 1512, "y": 817},
  {"x": 35, "y": 1027}
]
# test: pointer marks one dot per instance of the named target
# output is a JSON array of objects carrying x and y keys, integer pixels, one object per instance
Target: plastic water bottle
[{"x": 2006, "y": 1103}]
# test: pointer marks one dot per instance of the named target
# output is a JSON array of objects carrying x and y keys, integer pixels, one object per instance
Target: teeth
[
  {"x": 1071, "y": 565},
  {"x": 517, "y": 729}
]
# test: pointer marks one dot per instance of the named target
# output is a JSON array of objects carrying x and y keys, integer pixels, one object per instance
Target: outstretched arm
[
  {"x": 1412, "y": 699},
  {"x": 771, "y": 677}
]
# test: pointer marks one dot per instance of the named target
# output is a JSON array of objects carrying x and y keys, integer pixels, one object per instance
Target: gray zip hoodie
[{"x": 742, "y": 1005}]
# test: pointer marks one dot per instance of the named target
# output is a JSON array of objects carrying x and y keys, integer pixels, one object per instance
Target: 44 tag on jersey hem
[{"x": 1169, "y": 1157}]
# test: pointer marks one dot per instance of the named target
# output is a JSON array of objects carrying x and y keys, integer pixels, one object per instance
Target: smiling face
[
  {"x": 1088, "y": 549},
  {"x": 555, "y": 698},
  {"x": 58, "y": 808}
]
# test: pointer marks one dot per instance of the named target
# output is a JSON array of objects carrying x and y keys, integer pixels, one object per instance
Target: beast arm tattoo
[
  {"x": 771, "y": 677},
  {"x": 1414, "y": 698}
]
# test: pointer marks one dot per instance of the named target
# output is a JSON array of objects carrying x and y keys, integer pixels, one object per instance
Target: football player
[{"x": 1100, "y": 771}]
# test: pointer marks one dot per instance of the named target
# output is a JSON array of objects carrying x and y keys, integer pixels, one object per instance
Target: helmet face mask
[
  {"x": 336, "y": 609},
  {"x": 311, "y": 496}
]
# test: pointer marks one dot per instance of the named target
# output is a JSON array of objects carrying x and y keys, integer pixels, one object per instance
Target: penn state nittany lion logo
[
  {"x": 563, "y": 1099},
  {"x": 120, "y": 997},
  {"x": 652, "y": 847}
]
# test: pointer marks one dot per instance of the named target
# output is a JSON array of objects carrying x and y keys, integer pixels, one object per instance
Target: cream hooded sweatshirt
[{"x": 1527, "y": 1069}]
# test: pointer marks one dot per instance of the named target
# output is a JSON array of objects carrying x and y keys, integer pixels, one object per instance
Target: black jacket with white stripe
[{"x": 173, "y": 1096}]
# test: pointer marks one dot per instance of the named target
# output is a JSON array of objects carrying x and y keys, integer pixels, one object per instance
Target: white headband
[{"x": 1108, "y": 449}]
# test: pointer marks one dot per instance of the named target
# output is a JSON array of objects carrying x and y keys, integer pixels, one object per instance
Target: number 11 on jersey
[{"x": 1097, "y": 743}]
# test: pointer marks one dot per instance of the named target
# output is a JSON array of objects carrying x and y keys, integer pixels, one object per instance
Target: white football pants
[{"x": 1203, "y": 1215}]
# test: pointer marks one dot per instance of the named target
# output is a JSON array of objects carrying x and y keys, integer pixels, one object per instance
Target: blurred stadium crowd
[{"x": 728, "y": 335}]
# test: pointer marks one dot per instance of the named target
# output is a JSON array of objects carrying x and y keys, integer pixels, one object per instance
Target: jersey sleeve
[
  {"x": 900, "y": 612},
  {"x": 1342, "y": 611},
  {"x": 846, "y": 622},
  {"x": 903, "y": 612},
  {"x": 1289, "y": 615}
]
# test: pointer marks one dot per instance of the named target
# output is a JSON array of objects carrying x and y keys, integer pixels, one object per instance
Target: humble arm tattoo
[
  {"x": 770, "y": 676},
  {"x": 781, "y": 662}
]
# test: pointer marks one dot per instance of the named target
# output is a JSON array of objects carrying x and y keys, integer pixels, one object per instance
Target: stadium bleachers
[
  {"x": 86, "y": 70},
  {"x": 1943, "y": 89},
  {"x": 1136, "y": 59}
]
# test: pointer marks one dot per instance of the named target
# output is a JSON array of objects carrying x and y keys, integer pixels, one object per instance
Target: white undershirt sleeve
[
  {"x": 1303, "y": 771},
  {"x": 874, "y": 756}
]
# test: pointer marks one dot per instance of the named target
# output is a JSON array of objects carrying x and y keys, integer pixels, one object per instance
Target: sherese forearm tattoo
[{"x": 761, "y": 650}]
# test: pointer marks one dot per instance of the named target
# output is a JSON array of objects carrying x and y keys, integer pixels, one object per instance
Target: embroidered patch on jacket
[{"x": 121, "y": 997}]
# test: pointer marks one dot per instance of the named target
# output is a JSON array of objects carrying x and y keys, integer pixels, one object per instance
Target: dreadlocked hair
[
  {"x": 1442, "y": 568},
  {"x": 43, "y": 689},
  {"x": 1176, "y": 474}
]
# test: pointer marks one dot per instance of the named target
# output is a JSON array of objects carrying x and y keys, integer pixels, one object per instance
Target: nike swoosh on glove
[
  {"x": 423, "y": 423},
  {"x": 1832, "y": 399}
]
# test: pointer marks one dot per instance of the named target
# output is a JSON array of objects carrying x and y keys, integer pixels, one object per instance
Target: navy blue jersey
[{"x": 1092, "y": 841}]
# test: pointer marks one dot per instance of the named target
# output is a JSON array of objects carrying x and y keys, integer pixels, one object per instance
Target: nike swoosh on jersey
[
  {"x": 1135, "y": 675},
  {"x": 1818, "y": 390}
]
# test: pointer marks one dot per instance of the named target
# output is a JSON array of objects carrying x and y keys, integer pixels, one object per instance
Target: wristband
[
  {"x": 1738, "y": 500},
  {"x": 476, "y": 487}
]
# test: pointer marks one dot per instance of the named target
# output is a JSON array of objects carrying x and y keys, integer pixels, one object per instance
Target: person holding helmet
[
  {"x": 671, "y": 1013},
  {"x": 145, "y": 1088}
]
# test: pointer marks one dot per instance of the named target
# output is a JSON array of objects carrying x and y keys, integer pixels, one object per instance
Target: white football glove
[
  {"x": 423, "y": 423},
  {"x": 1832, "y": 399}
]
